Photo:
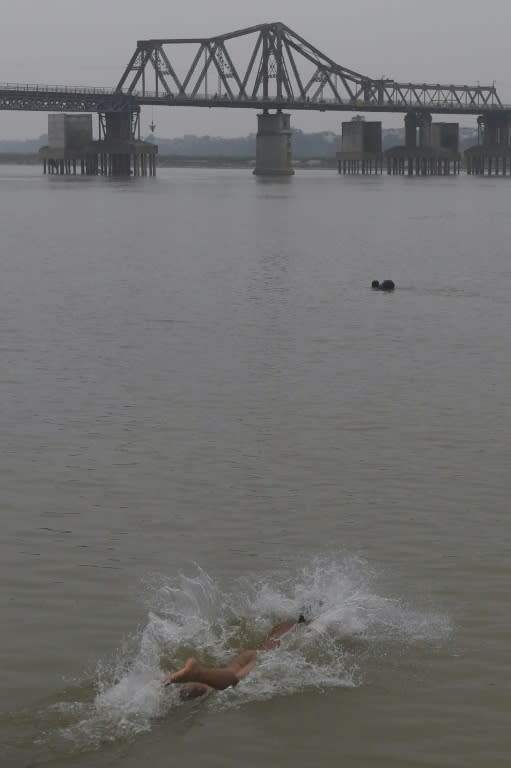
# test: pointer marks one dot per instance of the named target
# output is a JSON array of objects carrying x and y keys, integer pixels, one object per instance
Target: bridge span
[{"x": 267, "y": 67}]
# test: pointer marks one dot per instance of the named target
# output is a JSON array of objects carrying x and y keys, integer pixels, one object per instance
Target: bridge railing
[
  {"x": 398, "y": 101},
  {"x": 357, "y": 104},
  {"x": 19, "y": 87}
]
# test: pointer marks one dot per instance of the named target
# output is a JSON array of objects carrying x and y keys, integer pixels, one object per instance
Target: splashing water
[{"x": 195, "y": 615}]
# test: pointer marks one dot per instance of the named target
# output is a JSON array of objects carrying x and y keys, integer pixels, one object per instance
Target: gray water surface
[{"x": 209, "y": 421}]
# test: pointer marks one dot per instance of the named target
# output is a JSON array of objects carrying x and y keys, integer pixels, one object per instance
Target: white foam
[{"x": 195, "y": 612}]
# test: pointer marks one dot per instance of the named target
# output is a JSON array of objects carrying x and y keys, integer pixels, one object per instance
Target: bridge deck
[{"x": 64, "y": 98}]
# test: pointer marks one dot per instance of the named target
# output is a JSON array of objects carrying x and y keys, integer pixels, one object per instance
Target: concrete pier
[
  {"x": 273, "y": 145},
  {"x": 71, "y": 149},
  {"x": 431, "y": 149},
  {"x": 492, "y": 155},
  {"x": 361, "y": 151}
]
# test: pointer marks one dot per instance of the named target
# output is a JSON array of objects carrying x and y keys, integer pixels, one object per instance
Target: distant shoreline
[{"x": 18, "y": 158}]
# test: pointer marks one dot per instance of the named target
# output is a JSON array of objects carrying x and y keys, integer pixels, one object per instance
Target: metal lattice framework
[
  {"x": 31, "y": 97},
  {"x": 263, "y": 67},
  {"x": 270, "y": 66}
]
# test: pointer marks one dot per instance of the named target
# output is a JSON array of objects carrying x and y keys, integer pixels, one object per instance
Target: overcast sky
[{"x": 89, "y": 42}]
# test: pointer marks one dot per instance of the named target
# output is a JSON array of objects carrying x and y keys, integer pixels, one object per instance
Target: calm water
[{"x": 208, "y": 421}]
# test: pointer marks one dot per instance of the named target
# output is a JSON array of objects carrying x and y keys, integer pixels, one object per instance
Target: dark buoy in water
[{"x": 385, "y": 285}]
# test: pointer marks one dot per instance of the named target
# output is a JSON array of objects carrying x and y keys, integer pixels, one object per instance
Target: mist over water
[{"x": 210, "y": 424}]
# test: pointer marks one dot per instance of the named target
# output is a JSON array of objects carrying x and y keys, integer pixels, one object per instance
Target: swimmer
[{"x": 196, "y": 680}]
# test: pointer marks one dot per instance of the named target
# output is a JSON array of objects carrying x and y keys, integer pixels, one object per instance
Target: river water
[{"x": 209, "y": 423}]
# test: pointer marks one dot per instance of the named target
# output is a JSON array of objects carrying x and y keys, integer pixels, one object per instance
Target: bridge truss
[
  {"x": 262, "y": 67},
  {"x": 29, "y": 97},
  {"x": 271, "y": 67}
]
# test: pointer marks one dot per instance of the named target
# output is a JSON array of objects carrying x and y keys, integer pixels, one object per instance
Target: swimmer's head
[{"x": 308, "y": 612}]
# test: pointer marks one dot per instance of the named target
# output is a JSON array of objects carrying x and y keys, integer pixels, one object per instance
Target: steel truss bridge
[
  {"x": 265, "y": 67},
  {"x": 34, "y": 97}
]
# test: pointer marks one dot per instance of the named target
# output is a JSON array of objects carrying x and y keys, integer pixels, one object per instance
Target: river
[{"x": 210, "y": 423}]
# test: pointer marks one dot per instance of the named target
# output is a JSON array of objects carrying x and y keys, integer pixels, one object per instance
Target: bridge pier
[
  {"x": 361, "y": 151},
  {"x": 273, "y": 145},
  {"x": 493, "y": 153},
  {"x": 117, "y": 153},
  {"x": 434, "y": 152}
]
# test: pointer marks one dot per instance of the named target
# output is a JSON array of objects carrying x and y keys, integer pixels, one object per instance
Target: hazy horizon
[{"x": 219, "y": 137}]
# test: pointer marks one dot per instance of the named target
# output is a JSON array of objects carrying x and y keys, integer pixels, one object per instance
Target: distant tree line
[{"x": 320, "y": 145}]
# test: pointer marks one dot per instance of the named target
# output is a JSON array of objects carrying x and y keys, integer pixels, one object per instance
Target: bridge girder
[
  {"x": 271, "y": 66},
  {"x": 42, "y": 98}
]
